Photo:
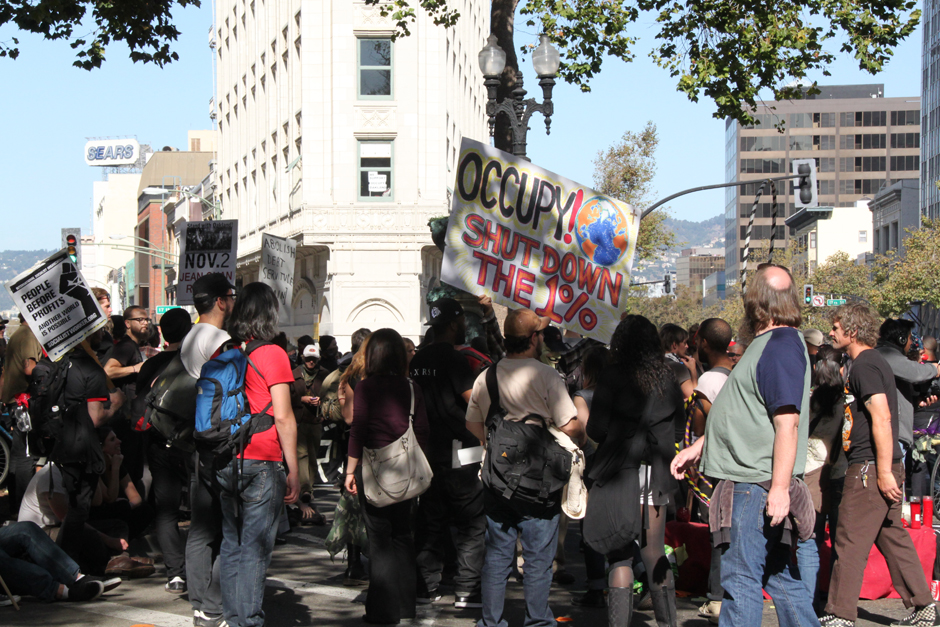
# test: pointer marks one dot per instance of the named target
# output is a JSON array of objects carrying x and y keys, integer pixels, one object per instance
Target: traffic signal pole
[{"x": 660, "y": 203}]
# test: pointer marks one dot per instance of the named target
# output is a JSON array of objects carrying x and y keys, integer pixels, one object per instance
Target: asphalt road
[{"x": 305, "y": 588}]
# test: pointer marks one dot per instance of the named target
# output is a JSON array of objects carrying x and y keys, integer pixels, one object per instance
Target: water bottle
[
  {"x": 23, "y": 422},
  {"x": 915, "y": 512}
]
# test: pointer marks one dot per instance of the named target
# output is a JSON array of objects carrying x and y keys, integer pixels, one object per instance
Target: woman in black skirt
[{"x": 636, "y": 406}]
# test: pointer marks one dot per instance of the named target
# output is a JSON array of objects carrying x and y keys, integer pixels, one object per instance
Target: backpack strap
[{"x": 492, "y": 388}]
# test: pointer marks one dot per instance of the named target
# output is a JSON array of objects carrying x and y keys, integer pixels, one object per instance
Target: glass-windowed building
[
  {"x": 930, "y": 112},
  {"x": 861, "y": 142},
  {"x": 335, "y": 135}
]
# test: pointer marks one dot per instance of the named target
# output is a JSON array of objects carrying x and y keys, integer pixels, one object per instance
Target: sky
[{"x": 50, "y": 109}]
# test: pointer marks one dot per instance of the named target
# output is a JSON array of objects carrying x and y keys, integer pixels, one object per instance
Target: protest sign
[
  {"x": 207, "y": 247},
  {"x": 278, "y": 255},
  {"x": 531, "y": 238},
  {"x": 57, "y": 303}
]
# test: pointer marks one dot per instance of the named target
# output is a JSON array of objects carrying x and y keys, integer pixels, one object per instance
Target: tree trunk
[{"x": 502, "y": 17}]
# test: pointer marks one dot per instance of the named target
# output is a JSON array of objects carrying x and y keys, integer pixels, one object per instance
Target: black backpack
[
  {"x": 170, "y": 406},
  {"x": 47, "y": 402},
  {"x": 524, "y": 463}
]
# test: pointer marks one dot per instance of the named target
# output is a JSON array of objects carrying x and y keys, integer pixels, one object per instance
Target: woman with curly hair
[{"x": 636, "y": 406}]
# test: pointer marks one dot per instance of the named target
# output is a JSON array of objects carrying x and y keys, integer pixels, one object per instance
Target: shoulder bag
[{"x": 399, "y": 471}]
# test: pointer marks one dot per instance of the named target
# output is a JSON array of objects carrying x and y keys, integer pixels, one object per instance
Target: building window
[
  {"x": 905, "y": 163},
  {"x": 905, "y": 118},
  {"x": 375, "y": 171},
  {"x": 863, "y": 237},
  {"x": 375, "y": 69},
  {"x": 812, "y": 239}
]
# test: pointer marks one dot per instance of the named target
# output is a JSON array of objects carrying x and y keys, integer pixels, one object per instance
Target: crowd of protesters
[{"x": 774, "y": 437}]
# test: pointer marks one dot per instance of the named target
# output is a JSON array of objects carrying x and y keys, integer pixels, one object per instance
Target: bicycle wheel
[
  {"x": 4, "y": 459},
  {"x": 935, "y": 489}
]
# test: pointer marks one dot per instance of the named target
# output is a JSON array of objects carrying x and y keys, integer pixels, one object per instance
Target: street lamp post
[{"x": 546, "y": 61}]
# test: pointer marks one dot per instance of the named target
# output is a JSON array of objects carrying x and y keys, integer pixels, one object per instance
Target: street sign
[
  {"x": 835, "y": 302},
  {"x": 165, "y": 308},
  {"x": 819, "y": 301}
]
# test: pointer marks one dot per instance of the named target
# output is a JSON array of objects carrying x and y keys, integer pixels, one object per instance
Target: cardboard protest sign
[
  {"x": 207, "y": 247},
  {"x": 531, "y": 238},
  {"x": 57, "y": 303},
  {"x": 278, "y": 257}
]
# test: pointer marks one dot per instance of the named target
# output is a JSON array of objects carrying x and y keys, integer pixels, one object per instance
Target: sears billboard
[{"x": 107, "y": 152}]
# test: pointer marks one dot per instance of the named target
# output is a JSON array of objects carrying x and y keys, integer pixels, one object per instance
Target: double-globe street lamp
[{"x": 546, "y": 61}]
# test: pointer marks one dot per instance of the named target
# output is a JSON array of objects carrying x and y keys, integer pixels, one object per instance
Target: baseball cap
[
  {"x": 211, "y": 286},
  {"x": 523, "y": 323},
  {"x": 175, "y": 324},
  {"x": 311, "y": 350},
  {"x": 814, "y": 337},
  {"x": 554, "y": 340},
  {"x": 444, "y": 310}
]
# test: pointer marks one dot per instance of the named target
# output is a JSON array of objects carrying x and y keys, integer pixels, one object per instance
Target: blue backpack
[{"x": 223, "y": 418}]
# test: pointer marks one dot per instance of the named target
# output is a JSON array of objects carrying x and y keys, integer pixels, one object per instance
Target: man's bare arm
[
  {"x": 786, "y": 427},
  {"x": 883, "y": 440}
]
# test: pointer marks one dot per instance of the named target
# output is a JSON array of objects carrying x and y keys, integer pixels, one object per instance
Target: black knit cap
[{"x": 175, "y": 324}]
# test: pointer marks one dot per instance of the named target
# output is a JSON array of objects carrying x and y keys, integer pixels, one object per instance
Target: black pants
[
  {"x": 85, "y": 548},
  {"x": 393, "y": 573},
  {"x": 205, "y": 538},
  {"x": 170, "y": 469},
  {"x": 455, "y": 497},
  {"x": 22, "y": 467}
]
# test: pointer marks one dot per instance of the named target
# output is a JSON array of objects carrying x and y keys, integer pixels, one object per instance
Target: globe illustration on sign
[{"x": 602, "y": 231}]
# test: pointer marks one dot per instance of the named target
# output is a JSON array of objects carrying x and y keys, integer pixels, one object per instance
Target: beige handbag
[{"x": 399, "y": 471}]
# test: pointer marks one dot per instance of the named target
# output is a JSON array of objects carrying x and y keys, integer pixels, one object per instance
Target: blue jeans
[
  {"x": 539, "y": 539},
  {"x": 48, "y": 567},
  {"x": 248, "y": 541},
  {"x": 757, "y": 558}
]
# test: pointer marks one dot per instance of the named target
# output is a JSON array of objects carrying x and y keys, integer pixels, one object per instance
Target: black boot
[
  {"x": 619, "y": 607},
  {"x": 664, "y": 605}
]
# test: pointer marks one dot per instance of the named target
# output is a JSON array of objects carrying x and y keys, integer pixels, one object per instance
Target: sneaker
[
  {"x": 109, "y": 583},
  {"x": 5, "y": 600},
  {"x": 201, "y": 619},
  {"x": 468, "y": 600},
  {"x": 176, "y": 585},
  {"x": 924, "y": 616},
  {"x": 86, "y": 589},
  {"x": 591, "y": 598},
  {"x": 710, "y": 610},
  {"x": 831, "y": 620},
  {"x": 430, "y": 597}
]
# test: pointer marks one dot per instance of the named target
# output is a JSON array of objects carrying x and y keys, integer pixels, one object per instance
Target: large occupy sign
[
  {"x": 278, "y": 257},
  {"x": 207, "y": 247},
  {"x": 57, "y": 304},
  {"x": 531, "y": 238},
  {"x": 108, "y": 152}
]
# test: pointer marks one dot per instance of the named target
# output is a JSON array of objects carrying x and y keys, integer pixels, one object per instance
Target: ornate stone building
[{"x": 334, "y": 135}]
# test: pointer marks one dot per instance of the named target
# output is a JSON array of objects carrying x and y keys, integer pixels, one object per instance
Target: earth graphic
[{"x": 602, "y": 231}]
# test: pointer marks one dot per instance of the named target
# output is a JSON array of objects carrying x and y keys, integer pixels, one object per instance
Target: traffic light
[
  {"x": 808, "y": 294},
  {"x": 667, "y": 284},
  {"x": 805, "y": 190},
  {"x": 71, "y": 241}
]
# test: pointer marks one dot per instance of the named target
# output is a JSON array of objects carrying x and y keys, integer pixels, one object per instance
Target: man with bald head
[{"x": 755, "y": 445}]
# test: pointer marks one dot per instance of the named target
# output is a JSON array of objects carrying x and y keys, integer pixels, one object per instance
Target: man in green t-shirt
[{"x": 755, "y": 443}]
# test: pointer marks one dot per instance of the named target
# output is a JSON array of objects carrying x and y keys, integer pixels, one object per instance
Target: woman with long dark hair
[
  {"x": 825, "y": 461},
  {"x": 254, "y": 491},
  {"x": 635, "y": 408},
  {"x": 381, "y": 414}
]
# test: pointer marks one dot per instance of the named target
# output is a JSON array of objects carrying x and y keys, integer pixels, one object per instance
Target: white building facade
[{"x": 334, "y": 135}]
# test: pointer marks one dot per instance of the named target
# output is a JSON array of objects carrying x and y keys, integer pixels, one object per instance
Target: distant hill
[
  {"x": 12, "y": 263},
  {"x": 708, "y": 233}
]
